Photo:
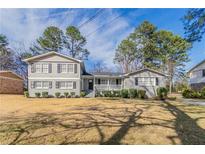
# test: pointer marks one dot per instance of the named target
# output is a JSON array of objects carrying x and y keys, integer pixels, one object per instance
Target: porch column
[{"x": 82, "y": 83}]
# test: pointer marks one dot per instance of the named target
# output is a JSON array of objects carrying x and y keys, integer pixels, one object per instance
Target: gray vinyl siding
[
  {"x": 53, "y": 90},
  {"x": 129, "y": 82},
  {"x": 54, "y": 72},
  {"x": 54, "y": 75},
  {"x": 196, "y": 74}
]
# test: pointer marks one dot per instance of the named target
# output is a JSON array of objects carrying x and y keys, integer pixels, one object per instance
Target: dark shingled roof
[{"x": 107, "y": 73}]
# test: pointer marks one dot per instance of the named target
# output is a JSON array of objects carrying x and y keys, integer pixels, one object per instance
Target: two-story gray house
[
  {"x": 54, "y": 72},
  {"x": 197, "y": 76}
]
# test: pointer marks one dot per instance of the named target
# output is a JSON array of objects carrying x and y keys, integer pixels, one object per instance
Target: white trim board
[{"x": 42, "y": 78}]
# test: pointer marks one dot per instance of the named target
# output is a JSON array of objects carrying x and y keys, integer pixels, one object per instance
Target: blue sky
[{"x": 23, "y": 26}]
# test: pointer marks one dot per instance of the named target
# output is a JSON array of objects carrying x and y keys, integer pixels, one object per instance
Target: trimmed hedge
[
  {"x": 38, "y": 95},
  {"x": 26, "y": 94},
  {"x": 142, "y": 94},
  {"x": 189, "y": 93},
  {"x": 45, "y": 94},
  {"x": 162, "y": 92},
  {"x": 116, "y": 93},
  {"x": 124, "y": 93},
  {"x": 58, "y": 94},
  {"x": 133, "y": 93},
  {"x": 66, "y": 94},
  {"x": 107, "y": 93},
  {"x": 82, "y": 94}
]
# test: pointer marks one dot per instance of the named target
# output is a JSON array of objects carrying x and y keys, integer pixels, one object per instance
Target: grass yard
[{"x": 99, "y": 121}]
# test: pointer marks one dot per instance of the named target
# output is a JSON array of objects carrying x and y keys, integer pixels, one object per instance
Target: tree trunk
[{"x": 170, "y": 86}]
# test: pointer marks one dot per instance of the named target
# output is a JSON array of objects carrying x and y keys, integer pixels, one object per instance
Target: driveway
[{"x": 195, "y": 101}]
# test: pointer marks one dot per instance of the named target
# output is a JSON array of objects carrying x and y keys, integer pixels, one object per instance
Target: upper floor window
[
  {"x": 41, "y": 68},
  {"x": 38, "y": 68},
  {"x": 63, "y": 68},
  {"x": 44, "y": 68},
  {"x": 66, "y": 68},
  {"x": 70, "y": 68},
  {"x": 203, "y": 73}
]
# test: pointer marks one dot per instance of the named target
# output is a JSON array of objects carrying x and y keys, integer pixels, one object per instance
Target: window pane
[
  {"x": 45, "y": 68},
  {"x": 38, "y": 68},
  {"x": 63, "y": 68},
  {"x": 66, "y": 85},
  {"x": 103, "y": 81},
  {"x": 38, "y": 84},
  {"x": 45, "y": 84},
  {"x": 70, "y": 67},
  {"x": 146, "y": 81},
  {"x": 69, "y": 84}
]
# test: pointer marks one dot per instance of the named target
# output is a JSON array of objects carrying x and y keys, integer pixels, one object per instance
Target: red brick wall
[{"x": 11, "y": 86}]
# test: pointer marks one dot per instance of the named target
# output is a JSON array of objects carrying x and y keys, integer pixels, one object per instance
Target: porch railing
[{"x": 102, "y": 87}]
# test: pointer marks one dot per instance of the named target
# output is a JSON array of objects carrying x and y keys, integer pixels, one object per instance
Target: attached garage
[{"x": 10, "y": 83}]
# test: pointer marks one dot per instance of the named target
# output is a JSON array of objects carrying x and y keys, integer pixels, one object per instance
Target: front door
[{"x": 90, "y": 84}]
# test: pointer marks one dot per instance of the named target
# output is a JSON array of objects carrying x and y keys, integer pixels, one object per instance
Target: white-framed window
[
  {"x": 42, "y": 84},
  {"x": 38, "y": 68},
  {"x": 63, "y": 68},
  {"x": 38, "y": 84},
  {"x": 44, "y": 68},
  {"x": 70, "y": 68},
  {"x": 146, "y": 81},
  {"x": 45, "y": 84},
  {"x": 104, "y": 81},
  {"x": 66, "y": 85}
]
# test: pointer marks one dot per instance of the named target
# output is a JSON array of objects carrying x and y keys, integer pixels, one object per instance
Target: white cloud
[{"x": 25, "y": 25}]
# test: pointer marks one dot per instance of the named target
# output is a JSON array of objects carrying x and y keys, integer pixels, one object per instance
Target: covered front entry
[{"x": 90, "y": 84}]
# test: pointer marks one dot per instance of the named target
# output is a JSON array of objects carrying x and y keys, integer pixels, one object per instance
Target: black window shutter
[
  {"x": 50, "y": 85},
  {"x": 57, "y": 85},
  {"x": 58, "y": 68},
  {"x": 74, "y": 85},
  {"x": 203, "y": 73},
  {"x": 75, "y": 68},
  {"x": 117, "y": 81},
  {"x": 32, "y": 84},
  {"x": 50, "y": 68},
  {"x": 98, "y": 81},
  {"x": 136, "y": 81},
  {"x": 33, "y": 68},
  {"x": 157, "y": 81}
]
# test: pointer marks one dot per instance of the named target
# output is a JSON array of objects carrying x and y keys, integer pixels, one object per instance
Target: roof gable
[
  {"x": 50, "y": 54},
  {"x": 203, "y": 61},
  {"x": 145, "y": 69},
  {"x": 10, "y": 74}
]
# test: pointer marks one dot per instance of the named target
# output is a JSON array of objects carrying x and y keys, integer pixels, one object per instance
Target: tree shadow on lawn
[
  {"x": 79, "y": 122},
  {"x": 21, "y": 130},
  {"x": 187, "y": 128}
]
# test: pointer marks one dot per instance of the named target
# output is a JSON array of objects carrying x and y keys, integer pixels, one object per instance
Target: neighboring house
[
  {"x": 197, "y": 76},
  {"x": 10, "y": 83},
  {"x": 54, "y": 72}
]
